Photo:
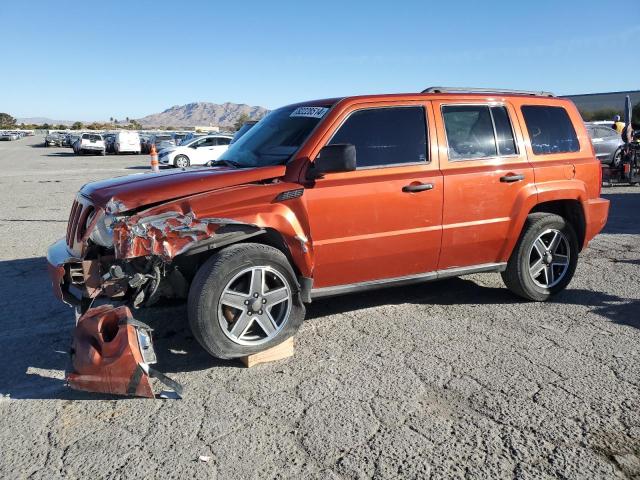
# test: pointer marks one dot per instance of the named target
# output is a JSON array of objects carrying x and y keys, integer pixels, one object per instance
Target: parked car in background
[
  {"x": 161, "y": 140},
  {"x": 90, "y": 143},
  {"x": 197, "y": 151},
  {"x": 246, "y": 126},
  {"x": 190, "y": 136},
  {"x": 144, "y": 142},
  {"x": 54, "y": 139},
  {"x": 109, "y": 142},
  {"x": 178, "y": 137},
  {"x": 9, "y": 136},
  {"x": 607, "y": 143},
  {"x": 127, "y": 142}
]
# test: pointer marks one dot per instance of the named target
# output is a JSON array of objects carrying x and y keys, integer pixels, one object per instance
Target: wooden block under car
[{"x": 279, "y": 352}]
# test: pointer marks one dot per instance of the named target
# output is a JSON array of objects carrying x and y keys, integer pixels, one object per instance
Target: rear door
[
  {"x": 484, "y": 168},
  {"x": 383, "y": 220}
]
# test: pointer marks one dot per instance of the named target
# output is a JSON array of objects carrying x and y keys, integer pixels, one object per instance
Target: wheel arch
[{"x": 569, "y": 209}]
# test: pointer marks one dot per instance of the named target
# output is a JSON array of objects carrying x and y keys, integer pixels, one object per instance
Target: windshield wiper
[{"x": 225, "y": 163}]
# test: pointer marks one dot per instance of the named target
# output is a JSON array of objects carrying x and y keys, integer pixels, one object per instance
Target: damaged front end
[
  {"x": 131, "y": 258},
  {"x": 112, "y": 353}
]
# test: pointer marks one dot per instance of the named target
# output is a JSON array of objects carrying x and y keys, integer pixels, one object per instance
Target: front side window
[
  {"x": 550, "y": 130},
  {"x": 385, "y": 136},
  {"x": 223, "y": 141}
]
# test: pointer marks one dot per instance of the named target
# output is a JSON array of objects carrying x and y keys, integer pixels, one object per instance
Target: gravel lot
[{"x": 451, "y": 379}]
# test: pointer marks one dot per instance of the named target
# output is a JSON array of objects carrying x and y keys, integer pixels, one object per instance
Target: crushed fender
[
  {"x": 112, "y": 353},
  {"x": 166, "y": 234}
]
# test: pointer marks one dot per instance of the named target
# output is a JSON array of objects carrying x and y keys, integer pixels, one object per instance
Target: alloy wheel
[
  {"x": 255, "y": 305},
  {"x": 549, "y": 258}
]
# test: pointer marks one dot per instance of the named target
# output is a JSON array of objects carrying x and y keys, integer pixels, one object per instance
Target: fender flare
[{"x": 533, "y": 195}]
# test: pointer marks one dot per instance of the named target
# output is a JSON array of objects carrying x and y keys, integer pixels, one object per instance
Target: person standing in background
[{"x": 618, "y": 125}]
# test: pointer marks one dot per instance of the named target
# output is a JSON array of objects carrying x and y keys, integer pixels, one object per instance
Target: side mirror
[{"x": 336, "y": 158}]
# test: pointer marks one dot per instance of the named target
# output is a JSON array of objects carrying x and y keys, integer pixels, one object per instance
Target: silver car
[{"x": 607, "y": 143}]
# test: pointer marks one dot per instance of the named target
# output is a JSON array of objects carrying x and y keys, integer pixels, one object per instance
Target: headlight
[{"x": 102, "y": 233}]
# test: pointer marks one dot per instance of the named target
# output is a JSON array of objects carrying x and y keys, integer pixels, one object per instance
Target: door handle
[
  {"x": 512, "y": 178},
  {"x": 421, "y": 187}
]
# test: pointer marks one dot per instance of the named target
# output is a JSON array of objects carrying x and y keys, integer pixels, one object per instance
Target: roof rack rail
[{"x": 485, "y": 90}]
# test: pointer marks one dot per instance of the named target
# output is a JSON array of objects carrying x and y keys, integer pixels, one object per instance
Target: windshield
[{"x": 275, "y": 138}]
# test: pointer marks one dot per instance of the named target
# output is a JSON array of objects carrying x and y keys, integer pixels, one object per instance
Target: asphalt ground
[{"x": 450, "y": 379}]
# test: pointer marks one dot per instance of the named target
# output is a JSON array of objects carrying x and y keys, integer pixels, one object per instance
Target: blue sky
[{"x": 93, "y": 60}]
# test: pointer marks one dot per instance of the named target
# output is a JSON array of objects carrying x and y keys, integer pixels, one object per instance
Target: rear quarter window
[{"x": 550, "y": 130}]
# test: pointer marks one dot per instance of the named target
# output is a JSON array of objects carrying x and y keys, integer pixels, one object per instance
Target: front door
[
  {"x": 204, "y": 151},
  {"x": 384, "y": 219},
  {"x": 485, "y": 168}
]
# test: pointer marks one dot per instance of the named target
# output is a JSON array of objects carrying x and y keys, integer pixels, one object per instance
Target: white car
[
  {"x": 127, "y": 142},
  {"x": 197, "y": 151},
  {"x": 89, "y": 143}
]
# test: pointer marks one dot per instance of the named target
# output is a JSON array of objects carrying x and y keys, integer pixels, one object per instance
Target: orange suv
[{"x": 343, "y": 195}]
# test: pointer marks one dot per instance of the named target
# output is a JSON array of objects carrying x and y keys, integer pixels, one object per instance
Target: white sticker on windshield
[{"x": 311, "y": 112}]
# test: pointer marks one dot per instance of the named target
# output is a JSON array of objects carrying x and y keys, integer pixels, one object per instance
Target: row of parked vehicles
[
  {"x": 10, "y": 135},
  {"x": 176, "y": 149}
]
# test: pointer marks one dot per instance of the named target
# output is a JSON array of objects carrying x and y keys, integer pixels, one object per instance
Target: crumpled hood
[{"x": 121, "y": 194}]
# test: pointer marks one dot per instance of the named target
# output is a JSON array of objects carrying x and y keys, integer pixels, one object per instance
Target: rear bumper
[
  {"x": 596, "y": 213},
  {"x": 58, "y": 256}
]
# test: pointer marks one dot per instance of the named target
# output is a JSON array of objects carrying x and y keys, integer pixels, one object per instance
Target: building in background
[{"x": 603, "y": 106}]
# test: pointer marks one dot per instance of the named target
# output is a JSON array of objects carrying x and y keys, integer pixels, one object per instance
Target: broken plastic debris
[
  {"x": 204, "y": 458},
  {"x": 112, "y": 352}
]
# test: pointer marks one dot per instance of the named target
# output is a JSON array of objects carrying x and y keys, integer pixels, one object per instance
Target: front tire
[
  {"x": 544, "y": 259},
  {"x": 181, "y": 161},
  {"x": 243, "y": 300}
]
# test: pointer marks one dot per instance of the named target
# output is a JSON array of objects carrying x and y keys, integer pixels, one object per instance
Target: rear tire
[
  {"x": 535, "y": 270},
  {"x": 229, "y": 278}
]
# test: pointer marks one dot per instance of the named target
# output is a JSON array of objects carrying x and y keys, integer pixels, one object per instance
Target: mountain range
[
  {"x": 189, "y": 115},
  {"x": 203, "y": 113}
]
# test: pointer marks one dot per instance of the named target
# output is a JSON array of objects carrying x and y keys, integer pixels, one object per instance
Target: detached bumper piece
[{"x": 112, "y": 353}]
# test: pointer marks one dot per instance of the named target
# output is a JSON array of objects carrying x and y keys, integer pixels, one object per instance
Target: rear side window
[
  {"x": 385, "y": 136},
  {"x": 223, "y": 141},
  {"x": 550, "y": 130},
  {"x": 504, "y": 132},
  {"x": 478, "y": 131}
]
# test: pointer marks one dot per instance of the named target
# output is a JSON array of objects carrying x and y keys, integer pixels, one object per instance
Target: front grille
[{"x": 81, "y": 211}]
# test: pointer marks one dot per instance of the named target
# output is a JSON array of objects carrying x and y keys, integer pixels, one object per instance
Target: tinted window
[
  {"x": 386, "y": 136},
  {"x": 223, "y": 141},
  {"x": 504, "y": 132},
  {"x": 550, "y": 130},
  {"x": 92, "y": 137},
  {"x": 469, "y": 131},
  {"x": 207, "y": 142}
]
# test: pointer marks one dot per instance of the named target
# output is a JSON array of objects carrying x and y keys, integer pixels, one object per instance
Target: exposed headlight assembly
[{"x": 102, "y": 233}]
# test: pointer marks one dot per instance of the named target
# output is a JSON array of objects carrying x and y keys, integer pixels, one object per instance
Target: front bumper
[{"x": 58, "y": 256}]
